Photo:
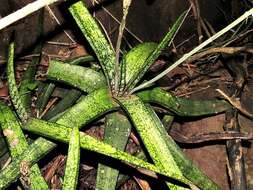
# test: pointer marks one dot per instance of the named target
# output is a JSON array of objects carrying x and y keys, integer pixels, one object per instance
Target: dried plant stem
[
  {"x": 226, "y": 50},
  {"x": 23, "y": 12},
  {"x": 236, "y": 164},
  {"x": 236, "y": 103},
  {"x": 213, "y": 136},
  {"x": 126, "y": 5},
  {"x": 196, "y": 49}
]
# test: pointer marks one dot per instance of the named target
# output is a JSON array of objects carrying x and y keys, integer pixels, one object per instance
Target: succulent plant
[{"x": 110, "y": 94}]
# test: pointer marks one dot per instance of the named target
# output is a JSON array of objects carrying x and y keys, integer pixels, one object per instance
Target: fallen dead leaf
[
  {"x": 79, "y": 51},
  {"x": 144, "y": 185},
  {"x": 4, "y": 92}
]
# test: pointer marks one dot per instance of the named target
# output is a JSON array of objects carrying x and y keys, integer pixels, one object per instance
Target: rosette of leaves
[{"x": 108, "y": 95}]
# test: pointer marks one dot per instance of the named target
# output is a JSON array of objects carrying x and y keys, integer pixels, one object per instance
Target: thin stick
[
  {"x": 60, "y": 43},
  {"x": 59, "y": 23},
  {"x": 236, "y": 164},
  {"x": 236, "y": 103},
  {"x": 23, "y": 12},
  {"x": 50, "y": 104},
  {"x": 213, "y": 136},
  {"x": 195, "y": 50},
  {"x": 226, "y": 50}
]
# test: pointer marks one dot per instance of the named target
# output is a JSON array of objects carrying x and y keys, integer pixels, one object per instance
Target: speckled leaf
[
  {"x": 17, "y": 143},
  {"x": 13, "y": 90},
  {"x": 48, "y": 89},
  {"x": 117, "y": 130},
  {"x": 134, "y": 60},
  {"x": 96, "y": 39},
  {"x": 90, "y": 107},
  {"x": 154, "y": 143},
  {"x": 80, "y": 77},
  {"x": 44, "y": 96},
  {"x": 68, "y": 100},
  {"x": 183, "y": 106},
  {"x": 12, "y": 131},
  {"x": 31, "y": 155},
  {"x": 163, "y": 150},
  {"x": 62, "y": 133},
  {"x": 73, "y": 159},
  {"x": 166, "y": 41}
]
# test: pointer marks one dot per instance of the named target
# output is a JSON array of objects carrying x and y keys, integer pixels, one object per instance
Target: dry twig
[
  {"x": 226, "y": 50},
  {"x": 213, "y": 136},
  {"x": 236, "y": 103}
]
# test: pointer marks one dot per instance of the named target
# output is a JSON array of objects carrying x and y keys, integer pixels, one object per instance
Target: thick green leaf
[
  {"x": 147, "y": 128},
  {"x": 134, "y": 61},
  {"x": 80, "y": 77},
  {"x": 62, "y": 133},
  {"x": 44, "y": 96},
  {"x": 10, "y": 124},
  {"x": 183, "y": 106},
  {"x": 31, "y": 155},
  {"x": 68, "y": 100},
  {"x": 161, "y": 147},
  {"x": 12, "y": 131},
  {"x": 166, "y": 41},
  {"x": 17, "y": 143},
  {"x": 48, "y": 89},
  {"x": 96, "y": 39},
  {"x": 72, "y": 96},
  {"x": 13, "y": 90},
  {"x": 88, "y": 108},
  {"x": 117, "y": 130},
  {"x": 72, "y": 165}
]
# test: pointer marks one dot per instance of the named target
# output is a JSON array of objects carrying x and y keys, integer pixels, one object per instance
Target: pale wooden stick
[{"x": 23, "y": 12}]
